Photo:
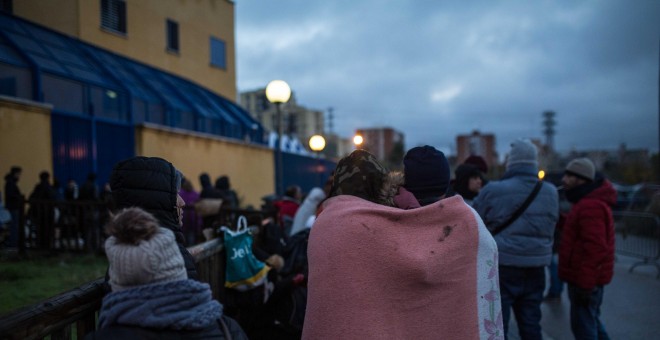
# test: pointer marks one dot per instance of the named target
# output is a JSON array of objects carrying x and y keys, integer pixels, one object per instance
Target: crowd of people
[
  {"x": 373, "y": 254},
  {"x": 52, "y": 219}
]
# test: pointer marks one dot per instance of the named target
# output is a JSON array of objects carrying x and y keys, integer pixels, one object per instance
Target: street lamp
[
  {"x": 317, "y": 144},
  {"x": 278, "y": 92},
  {"x": 358, "y": 140}
]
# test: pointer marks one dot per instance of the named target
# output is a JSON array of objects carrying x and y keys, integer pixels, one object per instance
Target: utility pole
[{"x": 549, "y": 130}]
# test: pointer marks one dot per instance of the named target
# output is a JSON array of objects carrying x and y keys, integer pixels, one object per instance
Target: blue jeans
[
  {"x": 585, "y": 318},
  {"x": 556, "y": 284},
  {"x": 522, "y": 289}
]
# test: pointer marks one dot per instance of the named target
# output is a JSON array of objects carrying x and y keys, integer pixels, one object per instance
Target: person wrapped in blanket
[
  {"x": 152, "y": 297},
  {"x": 384, "y": 266}
]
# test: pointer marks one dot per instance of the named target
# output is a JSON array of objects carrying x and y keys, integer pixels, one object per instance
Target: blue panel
[
  {"x": 72, "y": 149},
  {"x": 51, "y": 38},
  {"x": 28, "y": 44},
  {"x": 8, "y": 54},
  {"x": 158, "y": 84},
  {"x": 120, "y": 68},
  {"x": 8, "y": 24},
  {"x": 307, "y": 172},
  {"x": 114, "y": 142}
]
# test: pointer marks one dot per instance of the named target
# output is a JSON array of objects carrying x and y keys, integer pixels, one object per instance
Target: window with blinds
[{"x": 113, "y": 15}]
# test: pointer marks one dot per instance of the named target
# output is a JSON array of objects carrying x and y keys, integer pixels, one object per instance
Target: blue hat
[{"x": 426, "y": 172}]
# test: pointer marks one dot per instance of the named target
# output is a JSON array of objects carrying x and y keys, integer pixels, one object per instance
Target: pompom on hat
[
  {"x": 583, "y": 168},
  {"x": 426, "y": 171},
  {"x": 522, "y": 152},
  {"x": 140, "y": 252}
]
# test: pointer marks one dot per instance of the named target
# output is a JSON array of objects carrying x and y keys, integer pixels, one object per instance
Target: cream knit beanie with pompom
[{"x": 140, "y": 252}]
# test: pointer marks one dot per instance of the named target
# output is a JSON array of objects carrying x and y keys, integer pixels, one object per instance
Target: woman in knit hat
[
  {"x": 153, "y": 184},
  {"x": 151, "y": 297}
]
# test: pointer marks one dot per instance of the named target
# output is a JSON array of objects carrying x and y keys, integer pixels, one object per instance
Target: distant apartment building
[
  {"x": 478, "y": 144},
  {"x": 297, "y": 120},
  {"x": 381, "y": 142}
]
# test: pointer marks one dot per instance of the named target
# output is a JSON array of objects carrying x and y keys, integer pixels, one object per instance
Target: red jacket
[
  {"x": 286, "y": 210},
  {"x": 586, "y": 251}
]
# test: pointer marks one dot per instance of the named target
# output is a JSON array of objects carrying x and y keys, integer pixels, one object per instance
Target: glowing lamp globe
[
  {"x": 278, "y": 91},
  {"x": 317, "y": 143}
]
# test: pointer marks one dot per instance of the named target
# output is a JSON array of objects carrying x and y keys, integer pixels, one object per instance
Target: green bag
[{"x": 243, "y": 270}]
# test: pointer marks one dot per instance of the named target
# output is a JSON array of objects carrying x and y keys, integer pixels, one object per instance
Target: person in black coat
[
  {"x": 153, "y": 184},
  {"x": 42, "y": 209},
  {"x": 14, "y": 201}
]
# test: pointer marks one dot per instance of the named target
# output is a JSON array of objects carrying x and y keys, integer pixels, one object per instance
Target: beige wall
[
  {"x": 250, "y": 168},
  {"x": 60, "y": 15},
  {"x": 25, "y": 140},
  {"x": 145, "y": 39}
]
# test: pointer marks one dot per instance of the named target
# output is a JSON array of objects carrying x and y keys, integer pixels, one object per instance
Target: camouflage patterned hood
[{"x": 360, "y": 174}]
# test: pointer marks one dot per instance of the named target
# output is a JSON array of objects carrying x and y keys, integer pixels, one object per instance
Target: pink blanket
[{"x": 377, "y": 272}]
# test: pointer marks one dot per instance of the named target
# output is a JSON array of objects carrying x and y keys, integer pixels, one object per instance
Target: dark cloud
[{"x": 438, "y": 69}]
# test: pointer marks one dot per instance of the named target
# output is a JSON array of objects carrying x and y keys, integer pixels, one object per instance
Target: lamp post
[
  {"x": 278, "y": 92},
  {"x": 317, "y": 144}
]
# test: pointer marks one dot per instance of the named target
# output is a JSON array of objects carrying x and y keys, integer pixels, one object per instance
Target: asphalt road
[{"x": 630, "y": 310}]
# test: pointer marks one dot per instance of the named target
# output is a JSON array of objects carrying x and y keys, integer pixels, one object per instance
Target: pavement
[{"x": 630, "y": 309}]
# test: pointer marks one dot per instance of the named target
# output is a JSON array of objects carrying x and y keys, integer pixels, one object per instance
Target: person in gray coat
[{"x": 525, "y": 245}]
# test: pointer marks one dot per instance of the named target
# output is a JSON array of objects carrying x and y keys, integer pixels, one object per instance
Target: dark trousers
[
  {"x": 585, "y": 315},
  {"x": 522, "y": 289},
  {"x": 556, "y": 284},
  {"x": 14, "y": 228}
]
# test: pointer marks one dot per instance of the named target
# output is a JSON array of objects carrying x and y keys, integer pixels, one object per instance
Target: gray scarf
[{"x": 178, "y": 305}]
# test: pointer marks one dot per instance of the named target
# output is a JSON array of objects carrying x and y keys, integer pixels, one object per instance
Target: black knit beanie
[{"x": 426, "y": 172}]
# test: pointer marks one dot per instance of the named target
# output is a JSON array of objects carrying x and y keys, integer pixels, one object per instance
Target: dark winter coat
[
  {"x": 586, "y": 251},
  {"x": 134, "y": 332},
  {"x": 151, "y": 184},
  {"x": 43, "y": 192},
  {"x": 89, "y": 191},
  {"x": 13, "y": 196}
]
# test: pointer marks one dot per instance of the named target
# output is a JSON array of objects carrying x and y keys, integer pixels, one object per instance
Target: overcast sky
[{"x": 437, "y": 69}]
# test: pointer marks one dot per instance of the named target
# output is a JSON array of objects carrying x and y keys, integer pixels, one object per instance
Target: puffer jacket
[
  {"x": 527, "y": 242},
  {"x": 586, "y": 251},
  {"x": 151, "y": 184}
]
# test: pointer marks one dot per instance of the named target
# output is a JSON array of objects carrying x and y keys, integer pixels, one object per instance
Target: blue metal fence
[{"x": 306, "y": 171}]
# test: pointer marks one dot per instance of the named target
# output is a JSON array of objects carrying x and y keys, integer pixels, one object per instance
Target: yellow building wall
[
  {"x": 25, "y": 140},
  {"x": 60, "y": 15},
  {"x": 250, "y": 168},
  {"x": 145, "y": 38}
]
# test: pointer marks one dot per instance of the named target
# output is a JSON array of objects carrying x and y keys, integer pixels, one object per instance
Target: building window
[
  {"x": 218, "y": 53},
  {"x": 7, "y": 6},
  {"x": 172, "y": 28},
  {"x": 64, "y": 94},
  {"x": 113, "y": 15}
]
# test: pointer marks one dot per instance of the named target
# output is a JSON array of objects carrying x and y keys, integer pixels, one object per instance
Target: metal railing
[
  {"x": 638, "y": 235},
  {"x": 73, "y": 314},
  {"x": 75, "y": 311}
]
